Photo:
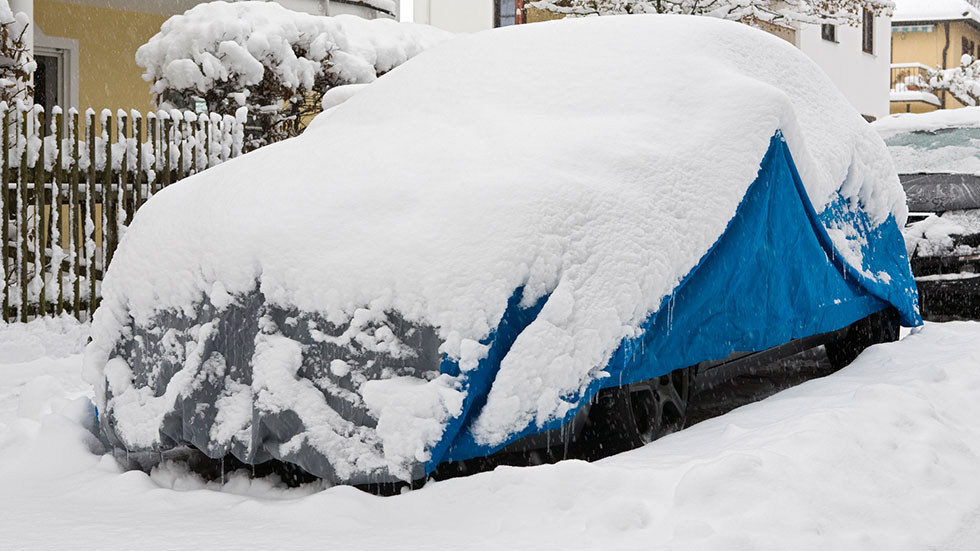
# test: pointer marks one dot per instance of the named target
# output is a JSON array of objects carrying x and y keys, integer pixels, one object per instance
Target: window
[
  {"x": 967, "y": 47},
  {"x": 505, "y": 13},
  {"x": 47, "y": 89},
  {"x": 868, "y": 32},
  {"x": 828, "y": 32},
  {"x": 56, "y": 76}
]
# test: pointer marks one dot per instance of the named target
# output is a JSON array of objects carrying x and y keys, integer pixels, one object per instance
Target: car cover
[{"x": 464, "y": 252}]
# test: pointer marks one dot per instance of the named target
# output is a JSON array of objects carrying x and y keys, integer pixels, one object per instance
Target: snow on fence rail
[{"x": 70, "y": 184}]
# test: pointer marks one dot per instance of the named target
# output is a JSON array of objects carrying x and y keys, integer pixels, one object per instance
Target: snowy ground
[{"x": 882, "y": 455}]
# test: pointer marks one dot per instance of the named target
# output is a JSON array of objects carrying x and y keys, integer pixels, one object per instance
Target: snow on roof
[
  {"x": 594, "y": 159},
  {"x": 934, "y": 10}
]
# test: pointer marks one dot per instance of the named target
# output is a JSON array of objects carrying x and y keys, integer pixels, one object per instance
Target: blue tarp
[{"x": 773, "y": 276}]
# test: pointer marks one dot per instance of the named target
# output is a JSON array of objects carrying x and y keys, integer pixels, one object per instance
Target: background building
[
  {"x": 467, "y": 15},
  {"x": 927, "y": 34}
]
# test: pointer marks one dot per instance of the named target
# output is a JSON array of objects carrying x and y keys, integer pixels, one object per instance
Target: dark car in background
[{"x": 937, "y": 156}]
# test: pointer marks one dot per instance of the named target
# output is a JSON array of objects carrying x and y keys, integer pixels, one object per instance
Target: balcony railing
[{"x": 910, "y": 82}]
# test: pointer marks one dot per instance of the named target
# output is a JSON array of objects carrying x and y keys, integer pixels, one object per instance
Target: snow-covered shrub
[
  {"x": 276, "y": 61},
  {"x": 962, "y": 82},
  {"x": 845, "y": 12},
  {"x": 16, "y": 62}
]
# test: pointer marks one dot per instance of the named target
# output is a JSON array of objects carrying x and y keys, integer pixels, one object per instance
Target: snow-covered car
[
  {"x": 938, "y": 158},
  {"x": 539, "y": 232}
]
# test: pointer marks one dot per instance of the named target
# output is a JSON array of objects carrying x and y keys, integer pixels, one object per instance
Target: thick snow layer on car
[
  {"x": 595, "y": 161},
  {"x": 880, "y": 456}
]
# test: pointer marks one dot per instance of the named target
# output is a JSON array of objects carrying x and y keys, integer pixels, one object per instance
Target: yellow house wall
[
  {"x": 535, "y": 15},
  {"x": 107, "y": 42},
  {"x": 911, "y": 107},
  {"x": 927, "y": 48}
]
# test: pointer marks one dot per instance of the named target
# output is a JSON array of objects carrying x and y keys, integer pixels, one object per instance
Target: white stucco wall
[
  {"x": 863, "y": 78},
  {"x": 455, "y": 15}
]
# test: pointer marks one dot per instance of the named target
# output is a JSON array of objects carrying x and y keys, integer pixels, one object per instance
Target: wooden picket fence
[{"x": 70, "y": 185}]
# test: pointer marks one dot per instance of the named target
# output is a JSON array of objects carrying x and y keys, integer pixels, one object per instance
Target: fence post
[
  {"x": 138, "y": 174},
  {"x": 109, "y": 229},
  {"x": 90, "y": 190},
  {"x": 41, "y": 240},
  {"x": 166, "y": 144},
  {"x": 192, "y": 130},
  {"x": 56, "y": 181},
  {"x": 151, "y": 120},
  {"x": 23, "y": 224},
  {"x": 180, "y": 136},
  {"x": 76, "y": 234},
  {"x": 5, "y": 213},
  {"x": 122, "y": 195}
]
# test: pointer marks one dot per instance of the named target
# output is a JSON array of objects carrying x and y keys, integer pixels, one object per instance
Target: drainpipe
[{"x": 945, "y": 50}]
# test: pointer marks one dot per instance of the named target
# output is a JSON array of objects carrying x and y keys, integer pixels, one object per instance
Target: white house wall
[
  {"x": 455, "y": 15},
  {"x": 863, "y": 78}
]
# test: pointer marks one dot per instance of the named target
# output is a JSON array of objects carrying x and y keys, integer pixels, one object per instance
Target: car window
[
  {"x": 947, "y": 150},
  {"x": 944, "y": 137}
]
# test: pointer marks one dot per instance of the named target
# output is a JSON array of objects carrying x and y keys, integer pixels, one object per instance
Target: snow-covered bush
[
  {"x": 962, "y": 82},
  {"x": 276, "y": 61},
  {"x": 16, "y": 62},
  {"x": 846, "y": 12}
]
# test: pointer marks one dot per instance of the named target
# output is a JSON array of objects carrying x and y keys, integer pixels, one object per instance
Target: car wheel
[
  {"x": 877, "y": 328},
  {"x": 628, "y": 417}
]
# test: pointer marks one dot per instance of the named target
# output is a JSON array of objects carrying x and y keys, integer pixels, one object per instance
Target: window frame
[
  {"x": 66, "y": 50},
  {"x": 830, "y": 36},
  {"x": 868, "y": 32}
]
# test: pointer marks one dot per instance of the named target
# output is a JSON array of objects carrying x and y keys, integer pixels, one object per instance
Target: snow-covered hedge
[{"x": 276, "y": 61}]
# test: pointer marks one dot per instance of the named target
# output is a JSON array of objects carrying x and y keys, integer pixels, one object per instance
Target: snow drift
[{"x": 550, "y": 179}]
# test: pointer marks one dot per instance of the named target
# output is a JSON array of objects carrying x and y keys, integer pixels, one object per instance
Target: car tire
[
  {"x": 627, "y": 417},
  {"x": 877, "y": 328}
]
